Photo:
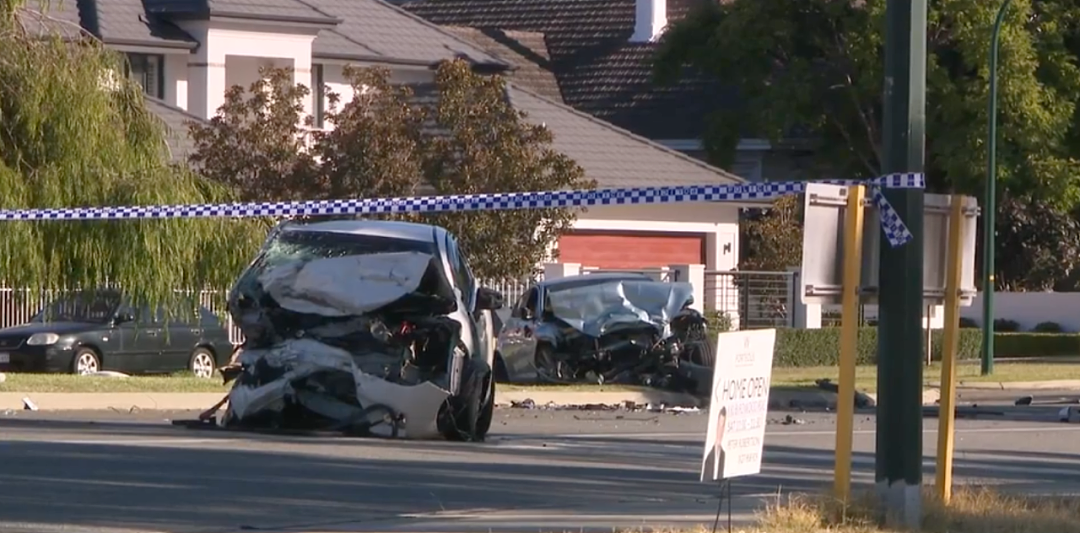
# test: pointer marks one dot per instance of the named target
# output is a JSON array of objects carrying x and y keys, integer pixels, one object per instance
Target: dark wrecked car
[
  {"x": 607, "y": 328},
  {"x": 367, "y": 327}
]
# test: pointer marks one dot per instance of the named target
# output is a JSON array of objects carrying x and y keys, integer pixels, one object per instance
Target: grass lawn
[
  {"x": 972, "y": 510},
  {"x": 182, "y": 382},
  {"x": 866, "y": 376}
]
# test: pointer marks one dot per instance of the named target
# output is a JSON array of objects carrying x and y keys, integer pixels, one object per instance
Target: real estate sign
[{"x": 739, "y": 404}]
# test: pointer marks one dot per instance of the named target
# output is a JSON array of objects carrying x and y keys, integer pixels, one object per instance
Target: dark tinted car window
[
  {"x": 208, "y": 319},
  {"x": 81, "y": 306}
]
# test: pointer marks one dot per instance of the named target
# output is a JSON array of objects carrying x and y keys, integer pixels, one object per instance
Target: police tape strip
[{"x": 895, "y": 230}]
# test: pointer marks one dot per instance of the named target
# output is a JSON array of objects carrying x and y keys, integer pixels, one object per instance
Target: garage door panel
[{"x": 631, "y": 250}]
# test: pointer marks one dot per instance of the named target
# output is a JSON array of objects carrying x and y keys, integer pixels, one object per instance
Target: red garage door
[{"x": 631, "y": 249}]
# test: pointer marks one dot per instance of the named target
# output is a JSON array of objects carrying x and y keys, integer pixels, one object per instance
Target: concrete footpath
[{"x": 779, "y": 398}]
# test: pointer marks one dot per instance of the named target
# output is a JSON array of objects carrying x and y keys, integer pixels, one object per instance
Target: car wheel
[
  {"x": 463, "y": 410},
  {"x": 548, "y": 367},
  {"x": 202, "y": 363},
  {"x": 487, "y": 413},
  {"x": 86, "y": 361},
  {"x": 701, "y": 353}
]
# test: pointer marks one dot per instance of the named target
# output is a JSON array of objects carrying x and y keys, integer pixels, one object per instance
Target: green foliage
[
  {"x": 772, "y": 240},
  {"x": 387, "y": 142},
  {"x": 1005, "y": 325},
  {"x": 1048, "y": 327},
  {"x": 75, "y": 133},
  {"x": 489, "y": 147},
  {"x": 821, "y": 347},
  {"x": 813, "y": 70},
  {"x": 1038, "y": 244}
]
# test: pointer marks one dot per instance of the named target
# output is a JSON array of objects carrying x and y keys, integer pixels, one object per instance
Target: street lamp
[{"x": 990, "y": 203}]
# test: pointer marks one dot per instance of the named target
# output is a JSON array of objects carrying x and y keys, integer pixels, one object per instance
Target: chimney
[{"x": 650, "y": 17}]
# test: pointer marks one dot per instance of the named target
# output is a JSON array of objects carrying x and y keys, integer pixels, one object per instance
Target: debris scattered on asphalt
[
  {"x": 628, "y": 405},
  {"x": 28, "y": 404},
  {"x": 963, "y": 411},
  {"x": 788, "y": 420},
  {"x": 1059, "y": 400},
  {"x": 862, "y": 400}
]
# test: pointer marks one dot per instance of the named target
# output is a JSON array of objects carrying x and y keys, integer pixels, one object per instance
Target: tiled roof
[
  {"x": 608, "y": 154},
  {"x": 175, "y": 121},
  {"x": 290, "y": 10},
  {"x": 117, "y": 22},
  {"x": 614, "y": 157},
  {"x": 525, "y": 51},
  {"x": 598, "y": 70},
  {"x": 59, "y": 19},
  {"x": 375, "y": 30}
]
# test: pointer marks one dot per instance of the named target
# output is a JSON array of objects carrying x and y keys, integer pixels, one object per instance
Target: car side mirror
[
  {"x": 488, "y": 299},
  {"x": 123, "y": 318}
]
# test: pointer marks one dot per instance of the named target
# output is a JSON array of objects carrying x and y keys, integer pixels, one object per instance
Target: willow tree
[{"x": 75, "y": 133}]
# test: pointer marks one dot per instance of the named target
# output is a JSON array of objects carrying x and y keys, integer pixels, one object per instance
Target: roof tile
[
  {"x": 598, "y": 70},
  {"x": 381, "y": 31},
  {"x": 525, "y": 51}
]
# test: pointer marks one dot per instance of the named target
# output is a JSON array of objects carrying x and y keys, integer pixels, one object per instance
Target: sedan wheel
[
  {"x": 202, "y": 364},
  {"x": 86, "y": 362}
]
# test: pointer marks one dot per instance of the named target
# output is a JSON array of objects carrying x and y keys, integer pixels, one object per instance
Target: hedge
[{"x": 821, "y": 347}]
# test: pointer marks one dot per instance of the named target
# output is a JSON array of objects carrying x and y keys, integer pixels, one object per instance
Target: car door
[
  {"x": 140, "y": 342},
  {"x": 517, "y": 343},
  {"x": 466, "y": 284},
  {"x": 184, "y": 333}
]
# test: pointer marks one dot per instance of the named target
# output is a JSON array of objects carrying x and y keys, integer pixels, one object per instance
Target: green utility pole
[
  {"x": 990, "y": 203},
  {"x": 900, "y": 285}
]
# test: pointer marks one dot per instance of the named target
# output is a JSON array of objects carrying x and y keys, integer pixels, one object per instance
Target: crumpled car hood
[
  {"x": 596, "y": 310},
  {"x": 345, "y": 286}
]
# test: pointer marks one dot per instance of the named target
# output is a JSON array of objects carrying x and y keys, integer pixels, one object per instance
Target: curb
[
  {"x": 1015, "y": 385},
  {"x": 781, "y": 398}
]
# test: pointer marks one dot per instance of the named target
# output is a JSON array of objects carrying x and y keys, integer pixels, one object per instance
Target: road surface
[{"x": 541, "y": 470}]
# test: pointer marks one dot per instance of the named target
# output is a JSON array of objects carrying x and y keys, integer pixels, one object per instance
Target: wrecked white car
[{"x": 364, "y": 327}]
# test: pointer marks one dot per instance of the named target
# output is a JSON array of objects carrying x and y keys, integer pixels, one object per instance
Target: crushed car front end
[
  {"x": 621, "y": 331},
  {"x": 347, "y": 331}
]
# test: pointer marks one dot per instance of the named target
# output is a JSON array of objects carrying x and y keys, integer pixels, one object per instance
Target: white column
[
  {"x": 695, "y": 275},
  {"x": 302, "y": 76},
  {"x": 561, "y": 270},
  {"x": 206, "y": 79}
]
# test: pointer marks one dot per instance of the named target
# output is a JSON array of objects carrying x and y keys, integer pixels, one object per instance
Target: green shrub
[
  {"x": 821, "y": 347},
  {"x": 966, "y": 322},
  {"x": 1005, "y": 325},
  {"x": 1047, "y": 327}
]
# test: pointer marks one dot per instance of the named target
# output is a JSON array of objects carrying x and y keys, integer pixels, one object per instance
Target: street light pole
[{"x": 990, "y": 203}]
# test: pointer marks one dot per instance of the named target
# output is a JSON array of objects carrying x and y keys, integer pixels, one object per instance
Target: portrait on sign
[{"x": 738, "y": 406}]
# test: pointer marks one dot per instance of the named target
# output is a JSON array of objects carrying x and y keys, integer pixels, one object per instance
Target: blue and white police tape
[{"x": 895, "y": 230}]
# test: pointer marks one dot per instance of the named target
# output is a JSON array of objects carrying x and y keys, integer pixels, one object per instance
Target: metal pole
[
  {"x": 947, "y": 412},
  {"x": 849, "y": 342},
  {"x": 898, "y": 468},
  {"x": 990, "y": 203}
]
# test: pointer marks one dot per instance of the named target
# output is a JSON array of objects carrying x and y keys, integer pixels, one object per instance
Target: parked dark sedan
[{"x": 89, "y": 331}]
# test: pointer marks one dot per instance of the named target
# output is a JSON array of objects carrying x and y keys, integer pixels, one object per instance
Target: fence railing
[{"x": 753, "y": 300}]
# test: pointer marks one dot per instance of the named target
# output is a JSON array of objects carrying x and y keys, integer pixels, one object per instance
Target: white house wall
[{"x": 176, "y": 80}]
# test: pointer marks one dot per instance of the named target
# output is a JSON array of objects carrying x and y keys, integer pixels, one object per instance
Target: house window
[
  {"x": 317, "y": 88},
  {"x": 147, "y": 71}
]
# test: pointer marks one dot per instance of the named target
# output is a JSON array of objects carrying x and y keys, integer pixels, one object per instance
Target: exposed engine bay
[
  {"x": 626, "y": 331},
  {"x": 346, "y": 334}
]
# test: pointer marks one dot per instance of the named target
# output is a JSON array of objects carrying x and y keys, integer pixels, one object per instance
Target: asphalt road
[{"x": 541, "y": 471}]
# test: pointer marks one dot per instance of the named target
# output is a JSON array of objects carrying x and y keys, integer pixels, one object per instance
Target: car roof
[
  {"x": 598, "y": 278},
  {"x": 408, "y": 231}
]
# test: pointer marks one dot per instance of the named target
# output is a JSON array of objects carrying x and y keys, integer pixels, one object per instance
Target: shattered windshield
[{"x": 300, "y": 245}]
